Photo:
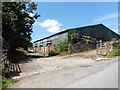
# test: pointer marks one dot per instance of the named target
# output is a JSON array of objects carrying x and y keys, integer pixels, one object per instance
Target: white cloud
[
  {"x": 107, "y": 17},
  {"x": 52, "y": 25},
  {"x": 31, "y": 15},
  {"x": 53, "y": 29}
]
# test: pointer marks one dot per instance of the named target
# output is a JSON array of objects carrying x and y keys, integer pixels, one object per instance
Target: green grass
[
  {"x": 89, "y": 49},
  {"x": 6, "y": 82},
  {"x": 22, "y": 51},
  {"x": 66, "y": 53},
  {"x": 113, "y": 53},
  {"x": 63, "y": 53},
  {"x": 116, "y": 50}
]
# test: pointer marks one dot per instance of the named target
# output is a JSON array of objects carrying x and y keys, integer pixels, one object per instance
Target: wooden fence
[{"x": 7, "y": 65}]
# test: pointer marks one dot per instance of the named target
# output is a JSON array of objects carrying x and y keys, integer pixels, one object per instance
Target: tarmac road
[{"x": 107, "y": 78}]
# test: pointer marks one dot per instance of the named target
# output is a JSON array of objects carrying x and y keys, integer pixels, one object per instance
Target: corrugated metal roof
[
  {"x": 52, "y": 35},
  {"x": 76, "y": 29}
]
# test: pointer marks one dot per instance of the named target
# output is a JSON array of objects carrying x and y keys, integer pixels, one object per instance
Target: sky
[{"x": 59, "y": 16}]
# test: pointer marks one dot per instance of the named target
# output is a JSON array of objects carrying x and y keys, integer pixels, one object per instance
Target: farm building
[{"x": 97, "y": 32}]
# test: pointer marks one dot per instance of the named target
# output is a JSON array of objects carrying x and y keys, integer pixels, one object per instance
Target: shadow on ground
[
  {"x": 36, "y": 56},
  {"x": 11, "y": 69},
  {"x": 30, "y": 58}
]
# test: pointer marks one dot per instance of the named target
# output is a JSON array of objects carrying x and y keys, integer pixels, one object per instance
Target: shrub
[
  {"x": 6, "y": 82},
  {"x": 72, "y": 36},
  {"x": 61, "y": 46},
  {"x": 115, "y": 51},
  {"x": 63, "y": 53},
  {"x": 116, "y": 44},
  {"x": 86, "y": 39},
  {"x": 22, "y": 51},
  {"x": 52, "y": 53}
]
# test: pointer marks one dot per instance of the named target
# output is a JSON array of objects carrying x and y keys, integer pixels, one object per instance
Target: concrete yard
[{"x": 68, "y": 72}]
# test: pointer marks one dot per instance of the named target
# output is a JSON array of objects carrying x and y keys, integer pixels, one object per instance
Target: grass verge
[
  {"x": 6, "y": 82},
  {"x": 113, "y": 53}
]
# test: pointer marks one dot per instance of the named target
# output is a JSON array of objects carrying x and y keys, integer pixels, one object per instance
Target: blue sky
[{"x": 59, "y": 16}]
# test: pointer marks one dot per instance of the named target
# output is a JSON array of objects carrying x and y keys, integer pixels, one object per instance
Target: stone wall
[{"x": 80, "y": 46}]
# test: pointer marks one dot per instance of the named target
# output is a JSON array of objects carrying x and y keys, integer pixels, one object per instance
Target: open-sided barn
[{"x": 98, "y": 32}]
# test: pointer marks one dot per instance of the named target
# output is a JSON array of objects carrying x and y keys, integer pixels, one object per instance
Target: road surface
[{"x": 100, "y": 74}]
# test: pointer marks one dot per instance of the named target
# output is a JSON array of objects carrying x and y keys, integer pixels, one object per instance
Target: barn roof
[
  {"x": 76, "y": 29},
  {"x": 52, "y": 35}
]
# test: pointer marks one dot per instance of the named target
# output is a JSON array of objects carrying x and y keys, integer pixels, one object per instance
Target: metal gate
[{"x": 103, "y": 48}]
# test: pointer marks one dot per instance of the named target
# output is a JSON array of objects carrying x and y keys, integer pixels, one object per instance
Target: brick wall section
[
  {"x": 44, "y": 49},
  {"x": 73, "y": 48}
]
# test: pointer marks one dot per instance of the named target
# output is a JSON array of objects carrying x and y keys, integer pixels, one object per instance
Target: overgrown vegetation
[
  {"x": 116, "y": 50},
  {"x": 63, "y": 53},
  {"x": 52, "y": 53},
  {"x": 61, "y": 47},
  {"x": 6, "y": 82},
  {"x": 17, "y": 22},
  {"x": 22, "y": 50},
  {"x": 17, "y": 25},
  {"x": 72, "y": 36},
  {"x": 86, "y": 39}
]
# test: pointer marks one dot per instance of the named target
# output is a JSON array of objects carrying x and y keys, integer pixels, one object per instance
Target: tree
[{"x": 17, "y": 24}]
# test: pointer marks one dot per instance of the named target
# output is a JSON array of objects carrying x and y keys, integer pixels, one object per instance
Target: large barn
[{"x": 99, "y": 32}]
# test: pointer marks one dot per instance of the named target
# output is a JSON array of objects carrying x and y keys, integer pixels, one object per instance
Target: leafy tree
[{"x": 17, "y": 24}]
